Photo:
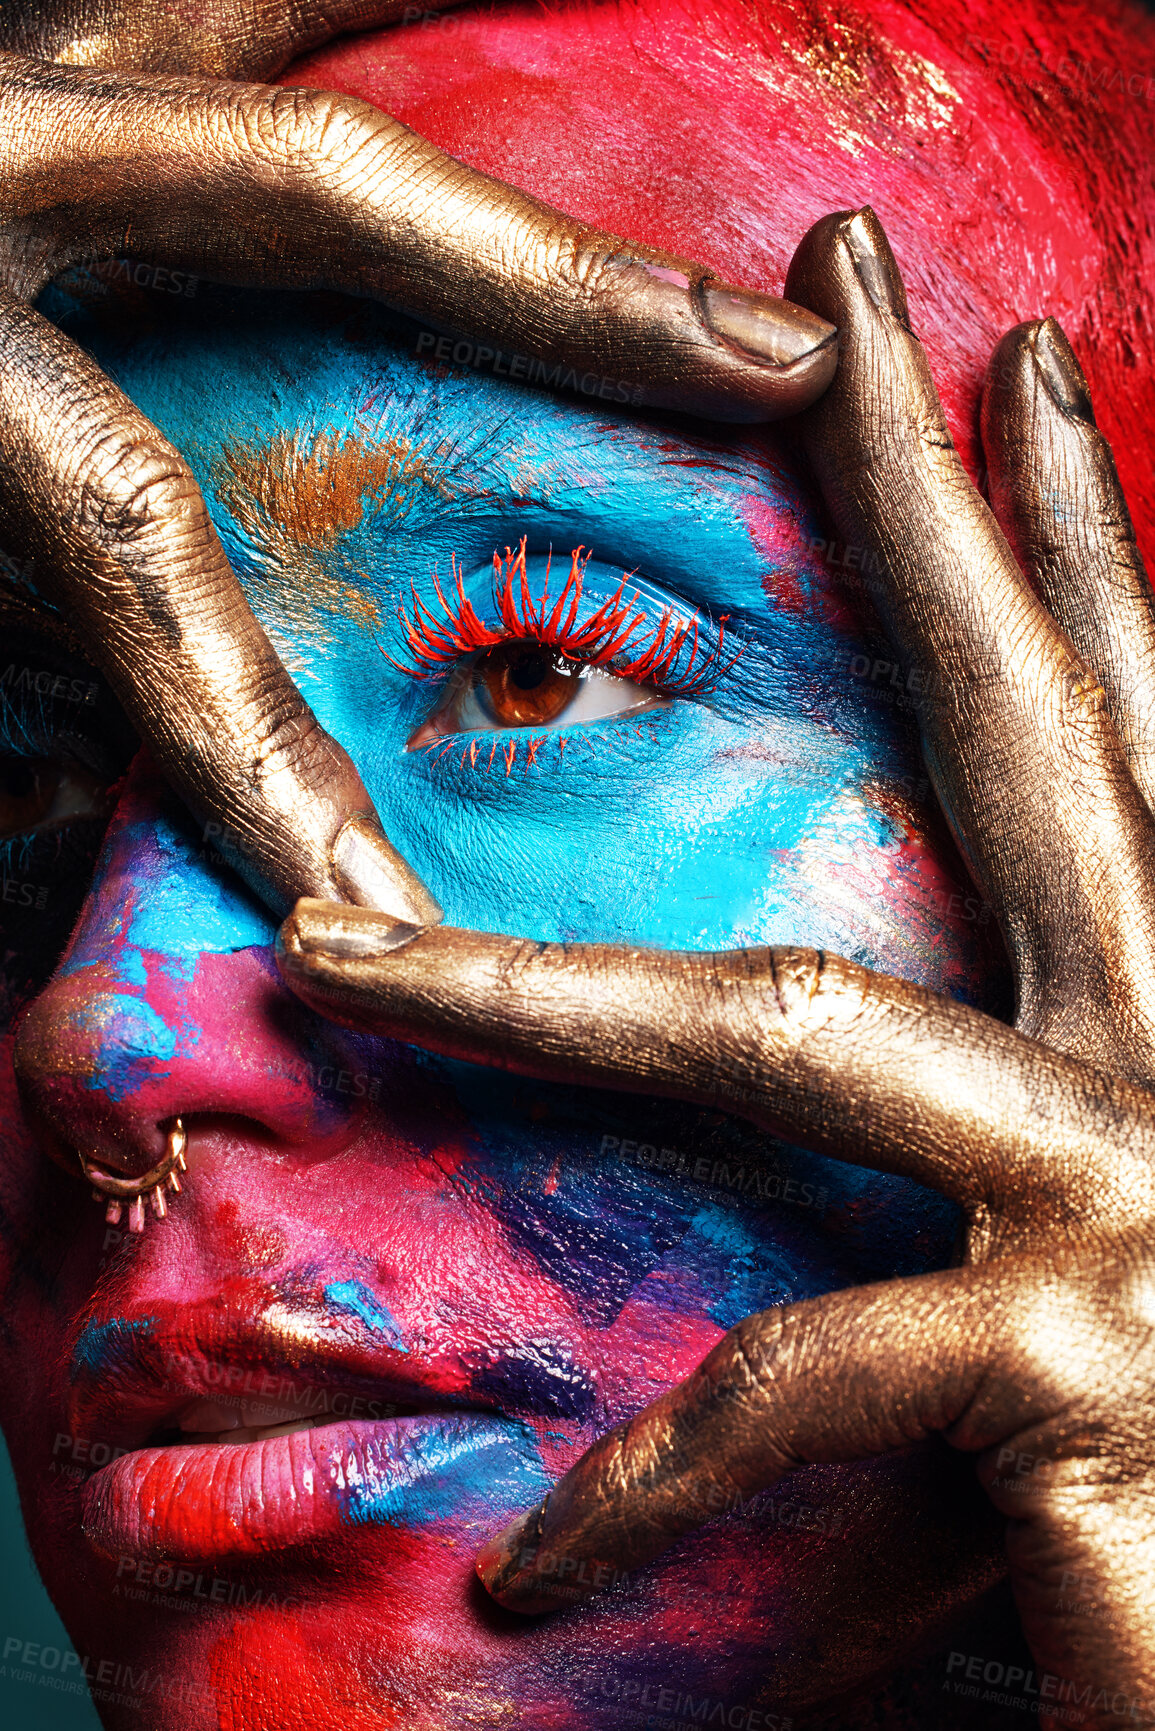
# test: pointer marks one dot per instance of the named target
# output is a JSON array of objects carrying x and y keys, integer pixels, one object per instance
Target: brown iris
[
  {"x": 526, "y": 684},
  {"x": 28, "y": 788}
]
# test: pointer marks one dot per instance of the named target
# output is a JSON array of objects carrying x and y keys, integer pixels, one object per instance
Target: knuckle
[
  {"x": 574, "y": 257},
  {"x": 1082, "y": 700},
  {"x": 754, "y": 1002},
  {"x": 130, "y": 489},
  {"x": 573, "y": 264},
  {"x": 753, "y": 1344},
  {"x": 308, "y": 131},
  {"x": 286, "y": 735}
]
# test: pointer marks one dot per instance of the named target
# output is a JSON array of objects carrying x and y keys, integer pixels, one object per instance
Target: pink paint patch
[
  {"x": 800, "y": 580},
  {"x": 661, "y": 273},
  {"x": 1011, "y": 183}
]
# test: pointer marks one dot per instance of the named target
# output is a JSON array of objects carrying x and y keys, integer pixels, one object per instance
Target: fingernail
[
  {"x": 756, "y": 324},
  {"x": 878, "y": 272},
  {"x": 506, "y": 1563},
  {"x": 1060, "y": 371},
  {"x": 316, "y": 928},
  {"x": 370, "y": 873}
]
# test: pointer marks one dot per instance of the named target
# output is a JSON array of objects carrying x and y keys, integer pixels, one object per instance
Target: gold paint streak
[{"x": 296, "y": 495}]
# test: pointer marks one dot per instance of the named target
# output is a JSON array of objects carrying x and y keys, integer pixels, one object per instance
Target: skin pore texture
[{"x": 368, "y": 1231}]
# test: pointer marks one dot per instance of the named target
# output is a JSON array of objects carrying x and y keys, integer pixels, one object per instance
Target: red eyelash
[{"x": 436, "y": 642}]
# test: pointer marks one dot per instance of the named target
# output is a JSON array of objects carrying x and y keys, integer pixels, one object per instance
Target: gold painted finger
[
  {"x": 308, "y": 189},
  {"x": 860, "y": 1373},
  {"x": 1024, "y": 755},
  {"x": 1057, "y": 496},
  {"x": 808, "y": 1046},
  {"x": 122, "y": 547},
  {"x": 223, "y": 38}
]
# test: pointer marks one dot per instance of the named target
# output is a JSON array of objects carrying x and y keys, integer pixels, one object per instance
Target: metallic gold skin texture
[
  {"x": 115, "y": 131},
  {"x": 1037, "y": 1353}
]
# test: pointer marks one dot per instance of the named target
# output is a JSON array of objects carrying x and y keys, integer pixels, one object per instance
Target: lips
[
  {"x": 211, "y": 1502},
  {"x": 237, "y": 1437}
]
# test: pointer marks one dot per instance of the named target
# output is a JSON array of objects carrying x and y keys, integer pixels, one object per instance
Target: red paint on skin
[
  {"x": 724, "y": 133},
  {"x": 1008, "y": 189},
  {"x": 227, "y": 996},
  {"x": 799, "y": 580}
]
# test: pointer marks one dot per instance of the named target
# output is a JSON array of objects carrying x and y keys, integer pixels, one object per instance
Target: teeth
[
  {"x": 257, "y": 1433},
  {"x": 206, "y": 1421},
  {"x": 207, "y": 1416}
]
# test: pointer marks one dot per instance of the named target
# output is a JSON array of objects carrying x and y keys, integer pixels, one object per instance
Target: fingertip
[
  {"x": 509, "y": 1566},
  {"x": 753, "y": 357},
  {"x": 371, "y": 874},
  {"x": 810, "y": 280},
  {"x": 1058, "y": 367},
  {"x": 845, "y": 256},
  {"x": 763, "y": 327},
  {"x": 811, "y": 375},
  {"x": 1035, "y": 360},
  {"x": 1010, "y": 370},
  {"x": 318, "y": 933}
]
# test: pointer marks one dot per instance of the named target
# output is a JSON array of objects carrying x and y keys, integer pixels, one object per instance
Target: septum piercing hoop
[{"x": 106, "y": 1186}]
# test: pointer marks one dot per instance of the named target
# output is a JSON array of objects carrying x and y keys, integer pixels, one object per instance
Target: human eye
[
  {"x": 542, "y": 659},
  {"x": 64, "y": 744},
  {"x": 38, "y": 794}
]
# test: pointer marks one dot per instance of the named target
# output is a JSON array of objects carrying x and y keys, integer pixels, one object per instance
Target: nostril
[
  {"x": 125, "y": 1179},
  {"x": 131, "y": 1191}
]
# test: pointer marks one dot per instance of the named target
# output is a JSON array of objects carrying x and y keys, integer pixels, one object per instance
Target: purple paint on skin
[{"x": 519, "y": 1259}]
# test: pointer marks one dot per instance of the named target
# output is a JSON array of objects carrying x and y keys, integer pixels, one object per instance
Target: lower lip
[{"x": 203, "y": 1502}]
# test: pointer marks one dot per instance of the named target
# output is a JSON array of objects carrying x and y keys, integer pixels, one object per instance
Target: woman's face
[{"x": 438, "y": 1284}]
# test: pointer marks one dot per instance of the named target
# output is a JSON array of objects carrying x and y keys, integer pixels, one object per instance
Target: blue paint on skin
[
  {"x": 357, "y": 1300},
  {"x": 134, "y": 1044},
  {"x": 726, "y": 810},
  {"x": 220, "y": 914},
  {"x": 132, "y": 969},
  {"x": 458, "y": 1473},
  {"x": 183, "y": 904},
  {"x": 105, "y": 1346},
  {"x": 751, "y": 814}
]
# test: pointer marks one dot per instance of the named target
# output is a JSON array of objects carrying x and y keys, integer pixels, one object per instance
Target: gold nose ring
[{"x": 116, "y": 1191}]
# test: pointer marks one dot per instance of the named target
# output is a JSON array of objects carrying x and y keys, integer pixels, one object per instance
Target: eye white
[{"x": 598, "y": 696}]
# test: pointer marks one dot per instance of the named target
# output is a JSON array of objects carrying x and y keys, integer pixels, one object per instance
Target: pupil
[
  {"x": 18, "y": 778},
  {"x": 529, "y": 670}
]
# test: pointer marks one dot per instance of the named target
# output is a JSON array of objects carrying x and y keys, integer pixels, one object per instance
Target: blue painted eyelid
[{"x": 690, "y": 647}]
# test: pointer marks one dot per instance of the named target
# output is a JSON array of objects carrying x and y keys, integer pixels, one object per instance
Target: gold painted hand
[
  {"x": 1037, "y": 1353},
  {"x": 249, "y": 184}
]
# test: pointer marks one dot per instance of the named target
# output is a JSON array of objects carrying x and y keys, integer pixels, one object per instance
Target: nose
[{"x": 167, "y": 1006}]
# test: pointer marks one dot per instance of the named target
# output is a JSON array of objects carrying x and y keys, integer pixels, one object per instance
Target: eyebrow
[
  {"x": 414, "y": 449},
  {"x": 299, "y": 492},
  {"x": 389, "y": 456}
]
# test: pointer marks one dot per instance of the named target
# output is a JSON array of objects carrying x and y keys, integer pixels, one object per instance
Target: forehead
[{"x": 1008, "y": 179}]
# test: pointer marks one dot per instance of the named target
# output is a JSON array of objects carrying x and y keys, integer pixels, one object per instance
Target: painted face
[{"x": 259, "y": 1446}]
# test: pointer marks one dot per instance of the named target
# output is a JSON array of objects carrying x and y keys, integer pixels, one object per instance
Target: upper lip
[{"x": 170, "y": 1357}]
